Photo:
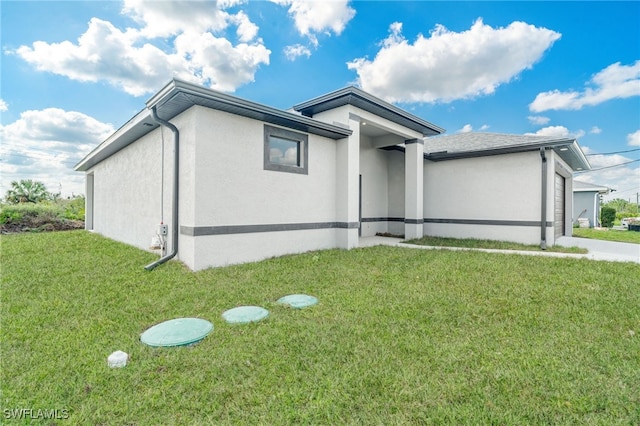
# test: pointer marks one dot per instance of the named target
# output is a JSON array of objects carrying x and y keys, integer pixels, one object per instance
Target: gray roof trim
[
  {"x": 132, "y": 130},
  {"x": 354, "y": 96},
  {"x": 579, "y": 186},
  {"x": 470, "y": 145},
  {"x": 178, "y": 96}
]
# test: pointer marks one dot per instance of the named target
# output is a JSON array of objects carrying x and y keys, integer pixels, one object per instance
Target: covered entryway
[{"x": 559, "y": 206}]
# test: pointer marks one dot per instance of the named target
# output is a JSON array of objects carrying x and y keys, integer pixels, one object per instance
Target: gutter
[
  {"x": 543, "y": 212},
  {"x": 176, "y": 169}
]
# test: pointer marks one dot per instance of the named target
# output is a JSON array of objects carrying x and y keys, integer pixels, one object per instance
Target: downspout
[
  {"x": 543, "y": 212},
  {"x": 176, "y": 169}
]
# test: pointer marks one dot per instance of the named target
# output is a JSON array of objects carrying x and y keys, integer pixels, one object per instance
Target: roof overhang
[
  {"x": 567, "y": 149},
  {"x": 353, "y": 96},
  {"x": 579, "y": 186},
  {"x": 178, "y": 96}
]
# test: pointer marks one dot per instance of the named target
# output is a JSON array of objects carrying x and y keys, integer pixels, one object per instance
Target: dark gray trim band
[
  {"x": 382, "y": 219},
  {"x": 488, "y": 222},
  {"x": 412, "y": 141},
  {"x": 414, "y": 221},
  {"x": 196, "y": 231}
]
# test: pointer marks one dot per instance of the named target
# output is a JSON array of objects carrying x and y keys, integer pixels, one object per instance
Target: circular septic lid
[
  {"x": 298, "y": 300},
  {"x": 177, "y": 332},
  {"x": 244, "y": 314}
]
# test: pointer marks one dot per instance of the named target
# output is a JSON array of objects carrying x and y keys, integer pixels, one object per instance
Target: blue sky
[{"x": 75, "y": 71}]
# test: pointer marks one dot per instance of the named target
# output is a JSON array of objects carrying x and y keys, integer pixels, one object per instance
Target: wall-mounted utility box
[{"x": 163, "y": 229}]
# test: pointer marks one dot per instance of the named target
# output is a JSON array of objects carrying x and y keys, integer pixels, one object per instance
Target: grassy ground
[
  {"x": 400, "y": 336},
  {"x": 608, "y": 234},
  {"x": 489, "y": 244}
]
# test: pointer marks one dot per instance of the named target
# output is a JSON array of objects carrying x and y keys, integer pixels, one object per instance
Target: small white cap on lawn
[{"x": 117, "y": 359}]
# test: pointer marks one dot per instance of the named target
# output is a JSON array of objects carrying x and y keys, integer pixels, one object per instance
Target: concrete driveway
[{"x": 604, "y": 250}]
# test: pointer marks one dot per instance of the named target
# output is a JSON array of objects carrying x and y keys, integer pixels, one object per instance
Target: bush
[
  {"x": 608, "y": 216},
  {"x": 42, "y": 216}
]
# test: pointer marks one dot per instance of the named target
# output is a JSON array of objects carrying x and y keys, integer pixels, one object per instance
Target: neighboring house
[
  {"x": 251, "y": 182},
  {"x": 586, "y": 202}
]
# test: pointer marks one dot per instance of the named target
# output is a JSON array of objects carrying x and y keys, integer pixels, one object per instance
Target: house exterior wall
[
  {"x": 395, "y": 191},
  {"x": 586, "y": 204},
  {"x": 491, "y": 197},
  {"x": 374, "y": 195},
  {"x": 239, "y": 207},
  {"x": 128, "y": 188}
]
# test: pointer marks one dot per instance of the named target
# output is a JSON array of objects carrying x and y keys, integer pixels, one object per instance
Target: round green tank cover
[
  {"x": 245, "y": 314},
  {"x": 298, "y": 301},
  {"x": 177, "y": 332}
]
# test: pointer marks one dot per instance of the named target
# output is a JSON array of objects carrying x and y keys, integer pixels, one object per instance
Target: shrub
[
  {"x": 41, "y": 217},
  {"x": 608, "y": 216}
]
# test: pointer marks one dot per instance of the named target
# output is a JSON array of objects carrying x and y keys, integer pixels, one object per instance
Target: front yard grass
[
  {"x": 488, "y": 244},
  {"x": 399, "y": 336},
  {"x": 608, "y": 235}
]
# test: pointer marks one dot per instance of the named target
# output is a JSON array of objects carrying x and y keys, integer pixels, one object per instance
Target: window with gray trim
[{"x": 285, "y": 150}]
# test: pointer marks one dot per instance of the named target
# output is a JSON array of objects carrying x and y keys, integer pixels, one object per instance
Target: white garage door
[{"x": 559, "y": 207}]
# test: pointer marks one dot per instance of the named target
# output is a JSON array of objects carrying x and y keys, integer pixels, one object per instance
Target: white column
[
  {"x": 413, "y": 188},
  {"x": 348, "y": 188}
]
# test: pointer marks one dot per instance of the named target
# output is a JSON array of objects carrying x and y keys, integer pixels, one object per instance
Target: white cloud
[
  {"x": 129, "y": 60},
  {"x": 168, "y": 18},
  {"x": 247, "y": 30},
  {"x": 484, "y": 127},
  {"x": 466, "y": 129},
  {"x": 313, "y": 17},
  {"x": 45, "y": 144},
  {"x": 448, "y": 65},
  {"x": 557, "y": 132},
  {"x": 293, "y": 52},
  {"x": 3, "y": 106},
  {"x": 538, "y": 120},
  {"x": 595, "y": 130},
  {"x": 614, "y": 82},
  {"x": 633, "y": 139}
]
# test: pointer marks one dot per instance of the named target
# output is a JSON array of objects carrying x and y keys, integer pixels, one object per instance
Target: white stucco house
[
  {"x": 586, "y": 202},
  {"x": 235, "y": 181}
]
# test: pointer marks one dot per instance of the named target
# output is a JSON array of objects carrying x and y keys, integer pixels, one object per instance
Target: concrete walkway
[{"x": 598, "y": 249}]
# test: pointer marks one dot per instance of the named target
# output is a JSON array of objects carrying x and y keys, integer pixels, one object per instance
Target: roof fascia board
[
  {"x": 573, "y": 155},
  {"x": 119, "y": 139},
  {"x": 445, "y": 155},
  {"x": 361, "y": 99},
  {"x": 247, "y": 108}
]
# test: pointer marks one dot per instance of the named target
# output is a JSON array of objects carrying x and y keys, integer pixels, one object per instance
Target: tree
[
  {"x": 27, "y": 191},
  {"x": 618, "y": 204}
]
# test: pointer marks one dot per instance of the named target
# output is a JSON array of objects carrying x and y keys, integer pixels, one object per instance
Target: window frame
[{"x": 303, "y": 150}]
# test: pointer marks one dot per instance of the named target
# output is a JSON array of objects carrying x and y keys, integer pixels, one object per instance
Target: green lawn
[
  {"x": 608, "y": 234},
  {"x": 400, "y": 336},
  {"x": 488, "y": 244}
]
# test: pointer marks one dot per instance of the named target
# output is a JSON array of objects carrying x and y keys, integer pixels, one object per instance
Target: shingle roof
[{"x": 475, "y": 144}]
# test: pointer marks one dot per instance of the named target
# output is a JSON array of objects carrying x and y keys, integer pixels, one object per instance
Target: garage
[{"x": 559, "y": 206}]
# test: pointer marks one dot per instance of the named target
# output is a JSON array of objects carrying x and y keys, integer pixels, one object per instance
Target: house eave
[
  {"x": 567, "y": 149},
  {"x": 132, "y": 130},
  {"x": 353, "y": 96},
  {"x": 178, "y": 95}
]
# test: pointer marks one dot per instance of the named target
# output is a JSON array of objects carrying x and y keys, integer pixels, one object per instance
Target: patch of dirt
[{"x": 33, "y": 224}]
